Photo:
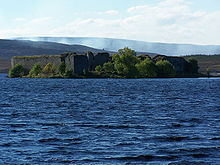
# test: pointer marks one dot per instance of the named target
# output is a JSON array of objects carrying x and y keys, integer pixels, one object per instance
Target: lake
[{"x": 110, "y": 121}]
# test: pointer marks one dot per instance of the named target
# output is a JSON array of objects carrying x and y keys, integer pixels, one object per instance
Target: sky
[{"x": 170, "y": 21}]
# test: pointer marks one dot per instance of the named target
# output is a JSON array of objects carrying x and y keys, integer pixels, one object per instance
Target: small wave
[
  {"x": 192, "y": 120},
  {"x": 184, "y": 162},
  {"x": 215, "y": 138},
  {"x": 199, "y": 155},
  {"x": 6, "y": 145},
  {"x": 113, "y": 126},
  {"x": 49, "y": 140},
  {"x": 125, "y": 144},
  {"x": 5, "y": 105},
  {"x": 147, "y": 158},
  {"x": 18, "y": 125},
  {"x": 171, "y": 138},
  {"x": 51, "y": 124}
]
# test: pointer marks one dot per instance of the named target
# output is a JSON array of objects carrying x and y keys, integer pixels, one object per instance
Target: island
[{"x": 123, "y": 64}]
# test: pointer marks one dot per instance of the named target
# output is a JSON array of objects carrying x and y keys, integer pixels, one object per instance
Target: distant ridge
[
  {"x": 10, "y": 48},
  {"x": 112, "y": 44}
]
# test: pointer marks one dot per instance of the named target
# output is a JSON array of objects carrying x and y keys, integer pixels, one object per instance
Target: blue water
[{"x": 109, "y": 121}]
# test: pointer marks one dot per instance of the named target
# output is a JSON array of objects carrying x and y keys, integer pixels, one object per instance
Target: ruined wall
[
  {"x": 100, "y": 59},
  {"x": 28, "y": 62},
  {"x": 77, "y": 63},
  {"x": 178, "y": 63},
  {"x": 80, "y": 64},
  {"x": 91, "y": 60}
]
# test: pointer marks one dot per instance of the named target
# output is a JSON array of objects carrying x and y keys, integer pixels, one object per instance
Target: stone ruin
[{"x": 77, "y": 63}]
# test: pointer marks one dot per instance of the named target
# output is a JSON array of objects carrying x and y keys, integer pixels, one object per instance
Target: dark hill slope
[
  {"x": 10, "y": 48},
  {"x": 204, "y": 61}
]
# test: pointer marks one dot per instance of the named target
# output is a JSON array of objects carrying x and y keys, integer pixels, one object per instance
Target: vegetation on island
[{"x": 124, "y": 64}]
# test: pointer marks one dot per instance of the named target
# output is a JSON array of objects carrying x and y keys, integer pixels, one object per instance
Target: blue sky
[{"x": 172, "y": 21}]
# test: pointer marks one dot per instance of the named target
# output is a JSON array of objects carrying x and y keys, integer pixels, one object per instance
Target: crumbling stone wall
[
  {"x": 28, "y": 62},
  {"x": 179, "y": 63},
  {"x": 77, "y": 63},
  {"x": 91, "y": 60},
  {"x": 100, "y": 59}
]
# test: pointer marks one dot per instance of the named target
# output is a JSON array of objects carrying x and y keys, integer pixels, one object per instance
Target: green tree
[
  {"x": 165, "y": 69},
  {"x": 35, "y": 71},
  {"x": 126, "y": 51},
  {"x": 147, "y": 68},
  {"x": 98, "y": 68},
  {"x": 125, "y": 61},
  {"x": 16, "y": 71},
  {"x": 193, "y": 66},
  {"x": 54, "y": 68},
  {"x": 62, "y": 68},
  {"x": 48, "y": 69},
  {"x": 108, "y": 67},
  {"x": 208, "y": 71}
]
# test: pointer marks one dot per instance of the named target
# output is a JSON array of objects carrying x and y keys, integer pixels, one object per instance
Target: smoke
[{"x": 139, "y": 46}]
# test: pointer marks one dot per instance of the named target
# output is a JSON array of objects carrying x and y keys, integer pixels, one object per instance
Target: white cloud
[
  {"x": 109, "y": 12},
  {"x": 40, "y": 20},
  {"x": 20, "y": 19},
  {"x": 169, "y": 21},
  {"x": 112, "y": 12}
]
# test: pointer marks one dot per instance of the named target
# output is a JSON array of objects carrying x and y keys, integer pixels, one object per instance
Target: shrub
[
  {"x": 98, "y": 68},
  {"x": 16, "y": 71},
  {"x": 192, "y": 66},
  {"x": 53, "y": 69},
  {"x": 165, "y": 69},
  {"x": 48, "y": 69},
  {"x": 147, "y": 68},
  {"x": 62, "y": 68},
  {"x": 35, "y": 71},
  {"x": 68, "y": 74},
  {"x": 108, "y": 67},
  {"x": 208, "y": 71}
]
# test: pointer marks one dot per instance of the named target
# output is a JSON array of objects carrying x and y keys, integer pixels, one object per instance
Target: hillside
[
  {"x": 205, "y": 61},
  {"x": 10, "y": 48},
  {"x": 139, "y": 46}
]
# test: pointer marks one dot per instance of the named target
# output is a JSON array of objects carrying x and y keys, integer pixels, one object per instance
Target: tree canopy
[
  {"x": 16, "y": 71},
  {"x": 165, "y": 69}
]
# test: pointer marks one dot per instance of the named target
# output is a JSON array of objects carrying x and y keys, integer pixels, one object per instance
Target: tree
[
  {"x": 193, "y": 66},
  {"x": 208, "y": 71},
  {"x": 16, "y": 71},
  {"x": 108, "y": 67},
  {"x": 126, "y": 51},
  {"x": 165, "y": 69},
  {"x": 54, "y": 69},
  {"x": 62, "y": 68},
  {"x": 98, "y": 68},
  {"x": 147, "y": 68},
  {"x": 35, "y": 71},
  {"x": 125, "y": 61},
  {"x": 48, "y": 69}
]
